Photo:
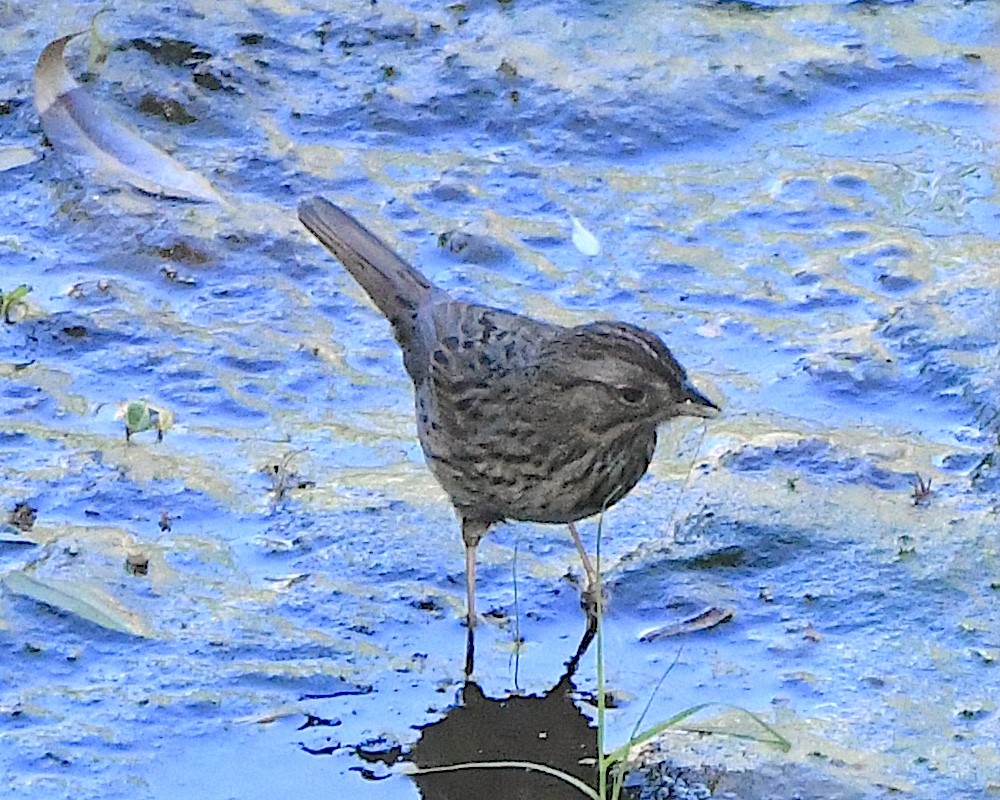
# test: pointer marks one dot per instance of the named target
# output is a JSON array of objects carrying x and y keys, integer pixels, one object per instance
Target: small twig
[{"x": 921, "y": 490}]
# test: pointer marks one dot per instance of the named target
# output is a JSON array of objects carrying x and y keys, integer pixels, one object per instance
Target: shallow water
[{"x": 801, "y": 198}]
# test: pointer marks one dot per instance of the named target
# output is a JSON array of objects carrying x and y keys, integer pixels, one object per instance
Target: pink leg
[
  {"x": 472, "y": 532},
  {"x": 588, "y": 567}
]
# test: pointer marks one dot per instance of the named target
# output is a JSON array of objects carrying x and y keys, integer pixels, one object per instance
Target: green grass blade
[
  {"x": 652, "y": 696},
  {"x": 622, "y": 752},
  {"x": 773, "y": 738},
  {"x": 776, "y": 739}
]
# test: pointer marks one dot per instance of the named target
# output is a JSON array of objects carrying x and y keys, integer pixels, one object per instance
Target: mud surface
[{"x": 801, "y": 198}]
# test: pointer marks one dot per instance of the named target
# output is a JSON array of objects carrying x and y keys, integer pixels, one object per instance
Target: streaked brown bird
[{"x": 518, "y": 419}]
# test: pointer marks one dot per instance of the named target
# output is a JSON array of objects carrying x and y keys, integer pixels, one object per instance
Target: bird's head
[{"x": 630, "y": 373}]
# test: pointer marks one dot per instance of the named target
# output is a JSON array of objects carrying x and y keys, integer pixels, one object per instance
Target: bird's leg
[
  {"x": 593, "y": 584},
  {"x": 472, "y": 532},
  {"x": 470, "y": 583},
  {"x": 592, "y": 578}
]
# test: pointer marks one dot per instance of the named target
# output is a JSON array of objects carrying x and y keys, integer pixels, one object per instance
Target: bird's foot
[{"x": 588, "y": 599}]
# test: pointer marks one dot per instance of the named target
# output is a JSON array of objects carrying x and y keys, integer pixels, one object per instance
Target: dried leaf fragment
[
  {"x": 137, "y": 563},
  {"x": 83, "y": 601},
  {"x": 14, "y": 157},
  {"x": 79, "y": 126},
  {"x": 708, "y": 618},
  {"x": 584, "y": 240},
  {"x": 23, "y": 516}
]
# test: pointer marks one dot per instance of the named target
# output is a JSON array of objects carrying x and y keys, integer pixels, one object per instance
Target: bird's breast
[{"x": 497, "y": 464}]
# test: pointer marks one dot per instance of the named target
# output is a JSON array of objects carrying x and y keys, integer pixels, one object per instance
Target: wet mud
[{"x": 800, "y": 198}]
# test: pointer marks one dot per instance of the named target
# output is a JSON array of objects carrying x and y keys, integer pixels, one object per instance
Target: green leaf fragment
[
  {"x": 10, "y": 299},
  {"x": 141, "y": 416},
  {"x": 137, "y": 417}
]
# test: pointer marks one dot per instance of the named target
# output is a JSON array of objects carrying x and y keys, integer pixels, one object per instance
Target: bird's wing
[{"x": 472, "y": 344}]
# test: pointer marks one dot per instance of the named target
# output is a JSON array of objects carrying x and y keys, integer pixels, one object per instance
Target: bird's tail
[{"x": 393, "y": 285}]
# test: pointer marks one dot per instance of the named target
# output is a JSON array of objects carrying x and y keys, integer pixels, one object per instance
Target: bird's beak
[{"x": 694, "y": 404}]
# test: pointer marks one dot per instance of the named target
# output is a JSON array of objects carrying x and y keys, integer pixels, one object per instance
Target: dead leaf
[
  {"x": 12, "y": 537},
  {"x": 23, "y": 516},
  {"x": 79, "y": 126},
  {"x": 283, "y": 584},
  {"x": 811, "y": 634},
  {"x": 14, "y": 157},
  {"x": 708, "y": 618},
  {"x": 137, "y": 563},
  {"x": 87, "y": 602},
  {"x": 266, "y": 718},
  {"x": 584, "y": 240}
]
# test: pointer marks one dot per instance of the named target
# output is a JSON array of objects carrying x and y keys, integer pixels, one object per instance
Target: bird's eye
[{"x": 632, "y": 395}]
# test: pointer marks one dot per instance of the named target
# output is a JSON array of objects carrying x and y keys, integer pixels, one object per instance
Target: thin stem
[
  {"x": 602, "y": 761},
  {"x": 525, "y": 765},
  {"x": 517, "y": 619},
  {"x": 638, "y": 723}
]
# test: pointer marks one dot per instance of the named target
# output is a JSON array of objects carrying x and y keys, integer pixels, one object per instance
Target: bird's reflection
[
  {"x": 548, "y": 729},
  {"x": 571, "y": 665}
]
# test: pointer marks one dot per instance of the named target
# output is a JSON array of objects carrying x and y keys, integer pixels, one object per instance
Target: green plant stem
[
  {"x": 602, "y": 760},
  {"x": 525, "y": 765}
]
